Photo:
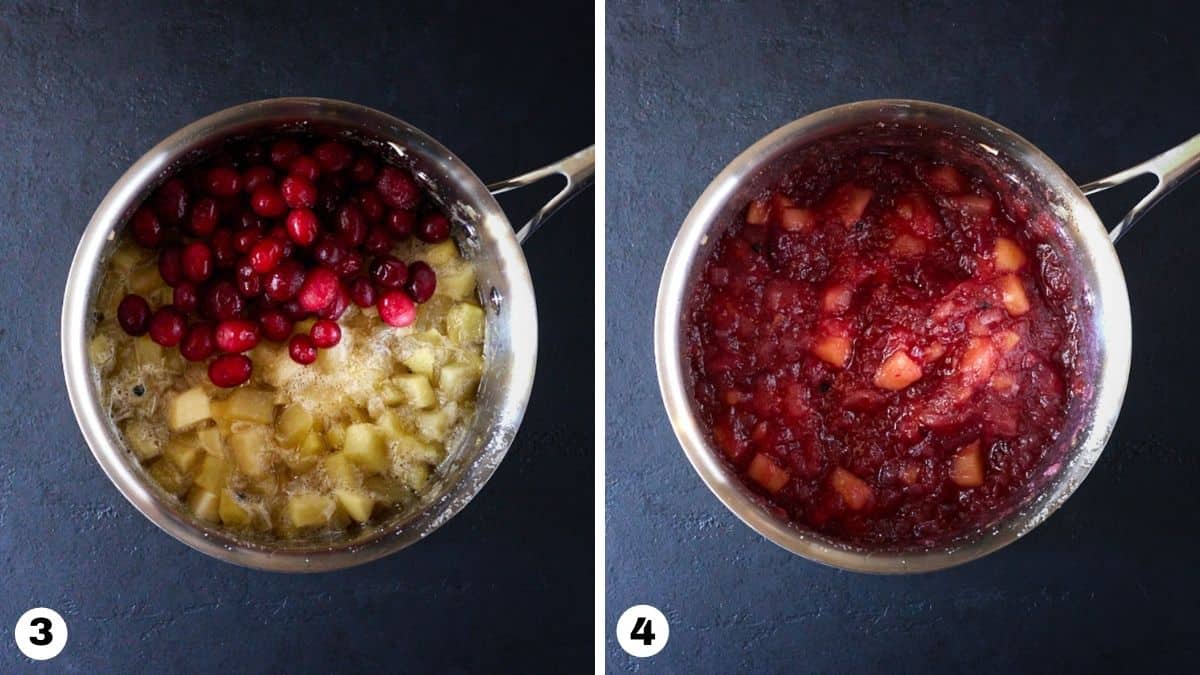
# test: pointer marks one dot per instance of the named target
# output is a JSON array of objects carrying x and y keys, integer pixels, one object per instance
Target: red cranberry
[
  {"x": 302, "y": 226},
  {"x": 186, "y": 297},
  {"x": 301, "y": 349},
  {"x": 256, "y": 176},
  {"x": 305, "y": 167},
  {"x": 170, "y": 265},
  {"x": 284, "y": 282},
  {"x": 389, "y": 272},
  {"x": 378, "y": 240},
  {"x": 147, "y": 229},
  {"x": 325, "y": 333},
  {"x": 329, "y": 251},
  {"x": 401, "y": 223},
  {"x": 396, "y": 308},
  {"x": 362, "y": 292},
  {"x": 133, "y": 314},
  {"x": 245, "y": 240},
  {"x": 203, "y": 218},
  {"x": 335, "y": 309},
  {"x": 371, "y": 204},
  {"x": 266, "y": 254},
  {"x": 397, "y": 188},
  {"x": 222, "y": 301},
  {"x": 198, "y": 342},
  {"x": 230, "y": 370},
  {"x": 319, "y": 289},
  {"x": 363, "y": 170},
  {"x": 298, "y": 192},
  {"x": 333, "y": 157},
  {"x": 350, "y": 265},
  {"x": 236, "y": 335},
  {"x": 171, "y": 202},
  {"x": 268, "y": 202},
  {"x": 284, "y": 151},
  {"x": 434, "y": 227},
  {"x": 249, "y": 220},
  {"x": 352, "y": 225},
  {"x": 422, "y": 281},
  {"x": 254, "y": 153},
  {"x": 276, "y": 325},
  {"x": 197, "y": 260},
  {"x": 294, "y": 311},
  {"x": 223, "y": 181},
  {"x": 224, "y": 252},
  {"x": 250, "y": 285},
  {"x": 166, "y": 326}
]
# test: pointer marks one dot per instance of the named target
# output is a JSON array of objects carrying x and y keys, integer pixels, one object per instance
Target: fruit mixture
[
  {"x": 288, "y": 338},
  {"x": 884, "y": 347}
]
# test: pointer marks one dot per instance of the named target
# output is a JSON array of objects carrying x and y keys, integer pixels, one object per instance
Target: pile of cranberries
[{"x": 265, "y": 235}]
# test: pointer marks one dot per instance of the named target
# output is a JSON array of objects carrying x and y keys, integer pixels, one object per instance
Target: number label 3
[
  {"x": 41, "y": 634},
  {"x": 642, "y": 631}
]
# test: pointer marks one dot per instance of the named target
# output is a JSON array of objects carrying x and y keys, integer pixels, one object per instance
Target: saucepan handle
[
  {"x": 579, "y": 169},
  {"x": 1170, "y": 168}
]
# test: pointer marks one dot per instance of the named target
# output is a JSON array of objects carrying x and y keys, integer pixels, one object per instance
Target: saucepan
[
  {"x": 1021, "y": 169},
  {"x": 484, "y": 236}
]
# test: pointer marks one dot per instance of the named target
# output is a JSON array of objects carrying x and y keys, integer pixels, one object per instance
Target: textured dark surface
[
  {"x": 1109, "y": 580},
  {"x": 507, "y": 584}
]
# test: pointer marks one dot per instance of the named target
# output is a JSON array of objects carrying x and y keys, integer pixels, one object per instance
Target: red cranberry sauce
[{"x": 882, "y": 351}]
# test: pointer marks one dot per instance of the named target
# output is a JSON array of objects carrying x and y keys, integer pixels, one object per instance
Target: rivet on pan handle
[
  {"x": 1170, "y": 168},
  {"x": 579, "y": 169}
]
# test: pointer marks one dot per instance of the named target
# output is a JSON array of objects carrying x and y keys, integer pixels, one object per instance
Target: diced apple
[
  {"x": 309, "y": 510},
  {"x": 1012, "y": 294},
  {"x": 147, "y": 351},
  {"x": 408, "y": 448},
  {"x": 756, "y": 213},
  {"x": 464, "y": 324},
  {"x": 434, "y": 424},
  {"x": 128, "y": 256},
  {"x": 145, "y": 280},
  {"x": 796, "y": 219},
  {"x": 252, "y": 405},
  {"x": 169, "y": 477},
  {"x": 342, "y": 472},
  {"x": 933, "y": 352},
  {"x": 837, "y": 298},
  {"x": 848, "y": 203},
  {"x": 142, "y": 440},
  {"x": 457, "y": 284},
  {"x": 947, "y": 179},
  {"x": 365, "y": 447},
  {"x": 1003, "y": 381},
  {"x": 852, "y": 489},
  {"x": 415, "y": 474},
  {"x": 833, "y": 350},
  {"x": 293, "y": 425},
  {"x": 335, "y": 435},
  {"x": 1007, "y": 340},
  {"x": 307, "y": 455},
  {"x": 458, "y": 381},
  {"x": 101, "y": 351},
  {"x": 233, "y": 513},
  {"x": 187, "y": 409},
  {"x": 415, "y": 390},
  {"x": 213, "y": 474},
  {"x": 897, "y": 372},
  {"x": 907, "y": 246},
  {"x": 421, "y": 360},
  {"x": 966, "y": 469},
  {"x": 977, "y": 362},
  {"x": 204, "y": 504},
  {"x": 974, "y": 205},
  {"x": 184, "y": 453},
  {"x": 764, "y": 471},
  {"x": 440, "y": 253},
  {"x": 388, "y": 490},
  {"x": 357, "y": 503},
  {"x": 249, "y": 451},
  {"x": 209, "y": 440},
  {"x": 1007, "y": 255}
]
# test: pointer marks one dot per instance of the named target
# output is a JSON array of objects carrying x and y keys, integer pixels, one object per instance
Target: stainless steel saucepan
[
  {"x": 1020, "y": 168},
  {"x": 484, "y": 236}
]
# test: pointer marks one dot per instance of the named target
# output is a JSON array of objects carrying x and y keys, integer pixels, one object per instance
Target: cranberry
[
  {"x": 236, "y": 335},
  {"x": 284, "y": 151},
  {"x": 222, "y": 301},
  {"x": 224, "y": 252},
  {"x": 401, "y": 223},
  {"x": 302, "y": 226},
  {"x": 371, "y": 204},
  {"x": 319, "y": 289},
  {"x": 266, "y": 254},
  {"x": 170, "y": 265},
  {"x": 197, "y": 261},
  {"x": 335, "y": 309},
  {"x": 301, "y": 349},
  {"x": 305, "y": 167},
  {"x": 434, "y": 227},
  {"x": 422, "y": 281},
  {"x": 325, "y": 333},
  {"x": 230, "y": 370},
  {"x": 276, "y": 325},
  {"x": 186, "y": 297},
  {"x": 284, "y": 281},
  {"x": 350, "y": 265},
  {"x": 245, "y": 240},
  {"x": 256, "y": 176},
  {"x": 294, "y": 311},
  {"x": 133, "y": 314},
  {"x": 352, "y": 225},
  {"x": 223, "y": 181},
  {"x": 249, "y": 220},
  {"x": 166, "y": 326},
  {"x": 362, "y": 292},
  {"x": 254, "y": 153},
  {"x": 378, "y": 240},
  {"x": 250, "y": 285},
  {"x": 268, "y": 202},
  {"x": 171, "y": 202},
  {"x": 147, "y": 229},
  {"x": 329, "y": 251},
  {"x": 198, "y": 342},
  {"x": 363, "y": 170},
  {"x": 396, "y": 308},
  {"x": 203, "y": 218},
  {"x": 389, "y": 272},
  {"x": 298, "y": 192},
  {"x": 397, "y": 188},
  {"x": 333, "y": 157}
]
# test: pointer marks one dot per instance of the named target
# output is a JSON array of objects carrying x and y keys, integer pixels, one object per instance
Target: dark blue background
[
  {"x": 1109, "y": 580},
  {"x": 85, "y": 88}
]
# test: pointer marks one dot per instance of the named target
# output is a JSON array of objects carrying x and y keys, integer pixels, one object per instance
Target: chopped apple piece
[
  {"x": 187, "y": 409},
  {"x": 408, "y": 448},
  {"x": 947, "y": 179},
  {"x": 907, "y": 246},
  {"x": 213, "y": 474},
  {"x": 796, "y": 219},
  {"x": 897, "y": 372},
  {"x": 252, "y": 405},
  {"x": 457, "y": 284},
  {"x": 415, "y": 474},
  {"x": 852, "y": 489},
  {"x": 342, "y": 472},
  {"x": 1012, "y": 294},
  {"x": 837, "y": 298},
  {"x": 464, "y": 324},
  {"x": 128, "y": 256},
  {"x": 204, "y": 504},
  {"x": 184, "y": 453},
  {"x": 293, "y": 425},
  {"x": 357, "y": 503},
  {"x": 458, "y": 381},
  {"x": 169, "y": 477},
  {"x": 440, "y": 253},
  {"x": 1003, "y": 381},
  {"x": 415, "y": 390},
  {"x": 233, "y": 513},
  {"x": 101, "y": 350},
  {"x": 1007, "y": 256},
  {"x": 977, "y": 362},
  {"x": 1007, "y": 340},
  {"x": 833, "y": 350},
  {"x": 365, "y": 447},
  {"x": 974, "y": 205},
  {"x": 250, "y": 452},
  {"x": 335, "y": 435},
  {"x": 756, "y": 213},
  {"x": 933, "y": 352},
  {"x": 209, "y": 440},
  {"x": 421, "y": 360},
  {"x": 764, "y": 471},
  {"x": 145, "y": 280},
  {"x": 389, "y": 490},
  {"x": 848, "y": 203},
  {"x": 309, "y": 510},
  {"x": 435, "y": 424},
  {"x": 147, "y": 351},
  {"x": 967, "y": 467},
  {"x": 306, "y": 456},
  {"x": 142, "y": 440}
]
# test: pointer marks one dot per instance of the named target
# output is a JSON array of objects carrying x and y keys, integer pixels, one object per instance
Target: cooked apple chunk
[
  {"x": 169, "y": 477},
  {"x": 357, "y": 503},
  {"x": 837, "y": 298},
  {"x": 464, "y": 324},
  {"x": 415, "y": 390},
  {"x": 213, "y": 474},
  {"x": 250, "y": 452},
  {"x": 457, "y": 284},
  {"x": 848, "y": 203},
  {"x": 756, "y": 213},
  {"x": 852, "y": 489},
  {"x": 1007, "y": 255},
  {"x": 188, "y": 408},
  {"x": 142, "y": 440},
  {"x": 293, "y": 426},
  {"x": 183, "y": 453},
  {"x": 458, "y": 381},
  {"x": 309, "y": 510},
  {"x": 977, "y": 362},
  {"x": 897, "y": 372},
  {"x": 365, "y": 447},
  {"x": 767, "y": 473},
  {"x": 966, "y": 470},
  {"x": 796, "y": 219},
  {"x": 947, "y": 179},
  {"x": 1012, "y": 294},
  {"x": 832, "y": 349},
  {"x": 204, "y": 504},
  {"x": 252, "y": 405},
  {"x": 233, "y": 513}
]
